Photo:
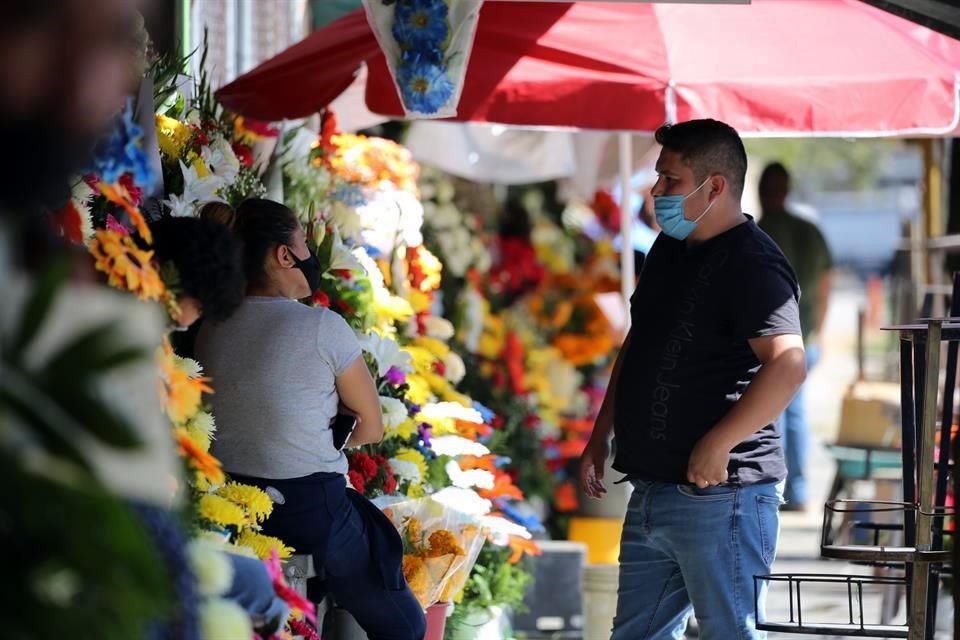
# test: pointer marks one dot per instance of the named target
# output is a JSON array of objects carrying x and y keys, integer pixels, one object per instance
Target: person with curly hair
[{"x": 201, "y": 262}]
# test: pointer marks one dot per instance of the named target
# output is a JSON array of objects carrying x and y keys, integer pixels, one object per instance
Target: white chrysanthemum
[
  {"x": 445, "y": 216},
  {"x": 204, "y": 423},
  {"x": 469, "y": 479},
  {"x": 456, "y": 446},
  {"x": 81, "y": 194},
  {"x": 472, "y": 319},
  {"x": 439, "y": 328},
  {"x": 445, "y": 190},
  {"x": 224, "y": 620},
  {"x": 449, "y": 410},
  {"x": 406, "y": 471},
  {"x": 394, "y": 412},
  {"x": 386, "y": 352},
  {"x": 454, "y": 368},
  {"x": 463, "y": 500},
  {"x": 211, "y": 567}
]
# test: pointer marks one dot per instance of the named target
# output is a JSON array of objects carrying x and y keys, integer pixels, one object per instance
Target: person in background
[
  {"x": 204, "y": 261},
  {"x": 281, "y": 369},
  {"x": 713, "y": 357},
  {"x": 808, "y": 253}
]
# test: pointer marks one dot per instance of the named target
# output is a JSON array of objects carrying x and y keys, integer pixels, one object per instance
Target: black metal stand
[{"x": 906, "y": 535}]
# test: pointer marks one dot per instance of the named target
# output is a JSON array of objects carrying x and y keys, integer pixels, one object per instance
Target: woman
[{"x": 280, "y": 370}]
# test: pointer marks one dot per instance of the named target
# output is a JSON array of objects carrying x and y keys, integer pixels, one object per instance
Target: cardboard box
[{"x": 870, "y": 415}]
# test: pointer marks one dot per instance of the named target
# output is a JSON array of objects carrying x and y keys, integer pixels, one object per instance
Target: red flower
[
  {"x": 440, "y": 368},
  {"x": 200, "y": 138},
  {"x": 379, "y": 460},
  {"x": 364, "y": 465},
  {"x": 244, "y": 153},
  {"x": 513, "y": 358},
  {"x": 356, "y": 481},
  {"x": 136, "y": 193},
  {"x": 344, "y": 307},
  {"x": 390, "y": 485},
  {"x": 301, "y": 628},
  {"x": 320, "y": 298},
  {"x": 68, "y": 219},
  {"x": 345, "y": 274}
]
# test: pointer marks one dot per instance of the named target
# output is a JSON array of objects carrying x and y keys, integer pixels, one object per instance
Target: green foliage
[
  {"x": 825, "y": 164},
  {"x": 494, "y": 582}
]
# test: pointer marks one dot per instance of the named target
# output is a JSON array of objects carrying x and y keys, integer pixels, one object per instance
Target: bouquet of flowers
[{"x": 440, "y": 547}]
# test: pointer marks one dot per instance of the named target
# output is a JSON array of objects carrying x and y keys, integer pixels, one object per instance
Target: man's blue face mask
[{"x": 669, "y": 213}]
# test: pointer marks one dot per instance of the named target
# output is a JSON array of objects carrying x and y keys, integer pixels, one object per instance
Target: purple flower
[
  {"x": 395, "y": 376},
  {"x": 426, "y": 433}
]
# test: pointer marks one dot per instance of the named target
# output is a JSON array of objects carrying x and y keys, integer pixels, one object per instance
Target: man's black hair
[{"x": 708, "y": 147}]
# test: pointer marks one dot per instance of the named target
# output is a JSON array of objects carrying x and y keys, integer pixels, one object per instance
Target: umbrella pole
[{"x": 626, "y": 225}]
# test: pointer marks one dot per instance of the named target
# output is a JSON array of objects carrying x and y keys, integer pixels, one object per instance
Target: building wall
[{"x": 243, "y": 33}]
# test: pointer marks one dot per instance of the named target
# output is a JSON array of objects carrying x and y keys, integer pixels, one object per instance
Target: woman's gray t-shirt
[{"x": 273, "y": 366}]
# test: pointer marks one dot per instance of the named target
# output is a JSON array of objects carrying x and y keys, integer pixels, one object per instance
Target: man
[
  {"x": 714, "y": 356},
  {"x": 804, "y": 246}
]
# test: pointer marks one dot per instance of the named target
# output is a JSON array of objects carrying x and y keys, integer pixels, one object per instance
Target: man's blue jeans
[
  {"x": 795, "y": 436},
  {"x": 686, "y": 549}
]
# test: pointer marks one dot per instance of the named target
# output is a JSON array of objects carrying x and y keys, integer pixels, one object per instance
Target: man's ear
[{"x": 718, "y": 185}]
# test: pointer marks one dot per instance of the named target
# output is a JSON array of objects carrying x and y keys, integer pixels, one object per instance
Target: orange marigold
[{"x": 442, "y": 543}]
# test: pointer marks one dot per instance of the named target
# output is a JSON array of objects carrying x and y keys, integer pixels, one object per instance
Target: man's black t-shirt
[{"x": 689, "y": 360}]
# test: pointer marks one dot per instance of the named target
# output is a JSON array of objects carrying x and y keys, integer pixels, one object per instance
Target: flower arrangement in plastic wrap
[
  {"x": 427, "y": 44},
  {"x": 440, "y": 546},
  {"x": 206, "y": 153}
]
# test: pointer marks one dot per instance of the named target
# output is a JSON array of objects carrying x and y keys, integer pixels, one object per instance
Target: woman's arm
[{"x": 358, "y": 392}]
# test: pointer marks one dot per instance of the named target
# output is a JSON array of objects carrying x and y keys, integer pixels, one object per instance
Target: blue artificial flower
[
  {"x": 528, "y": 520},
  {"x": 421, "y": 56},
  {"x": 486, "y": 414},
  {"x": 121, "y": 151},
  {"x": 420, "y": 24},
  {"x": 350, "y": 195},
  {"x": 425, "y": 88}
]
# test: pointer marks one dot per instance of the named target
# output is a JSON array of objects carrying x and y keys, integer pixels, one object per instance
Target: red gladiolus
[{"x": 320, "y": 298}]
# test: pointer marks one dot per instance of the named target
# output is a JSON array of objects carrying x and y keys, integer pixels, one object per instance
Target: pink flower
[{"x": 114, "y": 225}]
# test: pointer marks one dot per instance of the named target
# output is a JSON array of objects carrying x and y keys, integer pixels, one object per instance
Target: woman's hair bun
[{"x": 219, "y": 212}]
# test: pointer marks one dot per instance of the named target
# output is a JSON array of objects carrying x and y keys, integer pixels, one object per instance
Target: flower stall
[{"x": 360, "y": 200}]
